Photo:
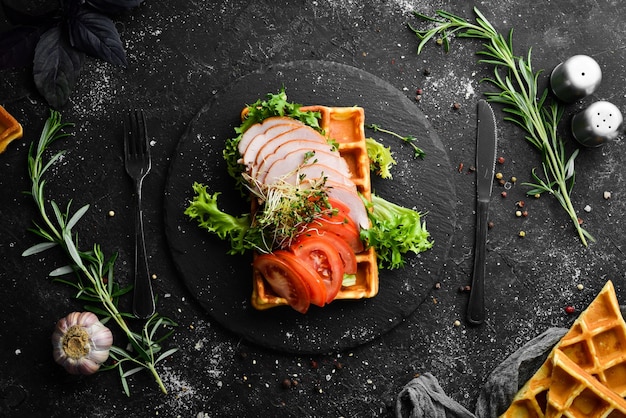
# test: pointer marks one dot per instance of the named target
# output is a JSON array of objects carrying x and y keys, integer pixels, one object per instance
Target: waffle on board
[
  {"x": 345, "y": 126},
  {"x": 585, "y": 374}
]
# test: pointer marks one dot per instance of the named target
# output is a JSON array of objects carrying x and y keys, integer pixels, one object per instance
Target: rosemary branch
[
  {"x": 92, "y": 272},
  {"x": 518, "y": 92}
]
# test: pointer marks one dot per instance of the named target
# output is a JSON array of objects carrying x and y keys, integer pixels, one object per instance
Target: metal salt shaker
[
  {"x": 598, "y": 123},
  {"x": 575, "y": 78}
]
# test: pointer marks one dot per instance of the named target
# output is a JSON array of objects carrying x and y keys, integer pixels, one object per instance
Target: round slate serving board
[{"x": 222, "y": 283}]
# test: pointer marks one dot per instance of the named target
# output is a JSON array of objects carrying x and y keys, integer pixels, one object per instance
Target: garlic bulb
[{"x": 81, "y": 343}]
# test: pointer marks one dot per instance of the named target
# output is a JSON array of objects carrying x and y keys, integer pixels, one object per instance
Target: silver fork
[{"x": 138, "y": 163}]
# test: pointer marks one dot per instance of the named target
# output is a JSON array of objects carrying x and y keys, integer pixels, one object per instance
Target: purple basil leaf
[
  {"x": 114, "y": 6},
  {"x": 56, "y": 67},
  {"x": 96, "y": 35},
  {"x": 17, "y": 46}
]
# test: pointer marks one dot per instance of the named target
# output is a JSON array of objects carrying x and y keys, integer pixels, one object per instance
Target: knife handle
[{"x": 476, "y": 304}]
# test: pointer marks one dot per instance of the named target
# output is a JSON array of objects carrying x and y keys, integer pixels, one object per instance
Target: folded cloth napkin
[{"x": 424, "y": 397}]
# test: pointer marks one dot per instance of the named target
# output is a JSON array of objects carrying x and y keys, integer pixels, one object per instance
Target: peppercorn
[
  {"x": 518, "y": 213},
  {"x": 286, "y": 383},
  {"x": 499, "y": 176},
  {"x": 456, "y": 105},
  {"x": 490, "y": 224},
  {"x": 570, "y": 309},
  {"x": 501, "y": 160},
  {"x": 503, "y": 194},
  {"x": 522, "y": 234}
]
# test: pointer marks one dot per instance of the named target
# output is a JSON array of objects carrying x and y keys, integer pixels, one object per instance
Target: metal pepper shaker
[
  {"x": 598, "y": 123},
  {"x": 575, "y": 78}
]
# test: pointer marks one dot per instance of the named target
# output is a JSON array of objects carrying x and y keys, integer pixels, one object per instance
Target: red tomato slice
[
  {"x": 339, "y": 205},
  {"x": 322, "y": 256},
  {"x": 314, "y": 283},
  {"x": 339, "y": 224},
  {"x": 343, "y": 248},
  {"x": 284, "y": 281}
]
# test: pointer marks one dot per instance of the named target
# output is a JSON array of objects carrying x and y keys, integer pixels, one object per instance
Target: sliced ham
[
  {"x": 275, "y": 150},
  {"x": 293, "y": 160},
  {"x": 297, "y": 148},
  {"x": 260, "y": 128},
  {"x": 290, "y": 141},
  {"x": 259, "y": 141},
  {"x": 315, "y": 172},
  {"x": 350, "y": 197}
]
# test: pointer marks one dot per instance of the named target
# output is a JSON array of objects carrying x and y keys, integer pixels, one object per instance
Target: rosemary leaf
[
  {"x": 93, "y": 273},
  {"x": 524, "y": 105}
]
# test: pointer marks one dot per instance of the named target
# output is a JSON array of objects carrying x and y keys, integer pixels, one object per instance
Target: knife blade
[{"x": 486, "y": 145}]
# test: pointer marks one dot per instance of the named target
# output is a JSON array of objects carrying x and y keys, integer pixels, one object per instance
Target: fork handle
[{"x": 143, "y": 298}]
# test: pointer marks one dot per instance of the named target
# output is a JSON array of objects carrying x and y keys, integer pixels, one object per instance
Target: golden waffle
[
  {"x": 345, "y": 126},
  {"x": 577, "y": 394},
  {"x": 586, "y": 371},
  {"x": 10, "y": 129}
]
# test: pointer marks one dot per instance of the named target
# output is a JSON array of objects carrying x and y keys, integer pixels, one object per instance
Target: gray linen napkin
[{"x": 423, "y": 396}]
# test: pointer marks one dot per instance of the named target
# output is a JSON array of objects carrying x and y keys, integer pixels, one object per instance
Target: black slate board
[{"x": 222, "y": 283}]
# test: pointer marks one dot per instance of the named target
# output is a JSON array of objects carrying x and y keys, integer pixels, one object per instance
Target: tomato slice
[
  {"x": 343, "y": 248},
  {"x": 339, "y": 205},
  {"x": 340, "y": 224},
  {"x": 322, "y": 256},
  {"x": 284, "y": 280},
  {"x": 313, "y": 283}
]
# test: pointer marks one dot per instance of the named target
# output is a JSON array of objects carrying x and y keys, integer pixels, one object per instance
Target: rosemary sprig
[
  {"x": 517, "y": 82},
  {"x": 409, "y": 139},
  {"x": 93, "y": 273}
]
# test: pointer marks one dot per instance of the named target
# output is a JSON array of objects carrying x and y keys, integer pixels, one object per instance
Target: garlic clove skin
[{"x": 81, "y": 343}]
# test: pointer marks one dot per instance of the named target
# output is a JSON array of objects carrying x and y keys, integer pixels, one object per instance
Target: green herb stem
[
  {"x": 518, "y": 92},
  {"x": 100, "y": 285}
]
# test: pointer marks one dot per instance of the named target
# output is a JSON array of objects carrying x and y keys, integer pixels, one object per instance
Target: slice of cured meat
[
  {"x": 294, "y": 149},
  {"x": 301, "y": 132},
  {"x": 260, "y": 128},
  {"x": 349, "y": 197},
  {"x": 278, "y": 146},
  {"x": 296, "y": 159},
  {"x": 259, "y": 141},
  {"x": 314, "y": 172}
]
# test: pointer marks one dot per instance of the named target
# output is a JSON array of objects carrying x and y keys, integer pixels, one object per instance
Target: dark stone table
[{"x": 180, "y": 54}]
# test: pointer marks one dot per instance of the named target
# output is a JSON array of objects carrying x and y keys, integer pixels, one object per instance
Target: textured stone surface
[{"x": 180, "y": 54}]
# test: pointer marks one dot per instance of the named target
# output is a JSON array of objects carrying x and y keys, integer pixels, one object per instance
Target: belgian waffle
[
  {"x": 10, "y": 129},
  {"x": 585, "y": 374},
  {"x": 345, "y": 126}
]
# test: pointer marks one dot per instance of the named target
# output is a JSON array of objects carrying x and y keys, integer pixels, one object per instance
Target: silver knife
[{"x": 486, "y": 144}]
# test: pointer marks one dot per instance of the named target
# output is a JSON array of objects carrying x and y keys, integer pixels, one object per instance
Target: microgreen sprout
[
  {"x": 90, "y": 273},
  {"x": 409, "y": 139}
]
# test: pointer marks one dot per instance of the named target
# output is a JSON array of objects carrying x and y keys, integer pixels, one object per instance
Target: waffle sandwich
[
  {"x": 585, "y": 374},
  {"x": 345, "y": 126}
]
